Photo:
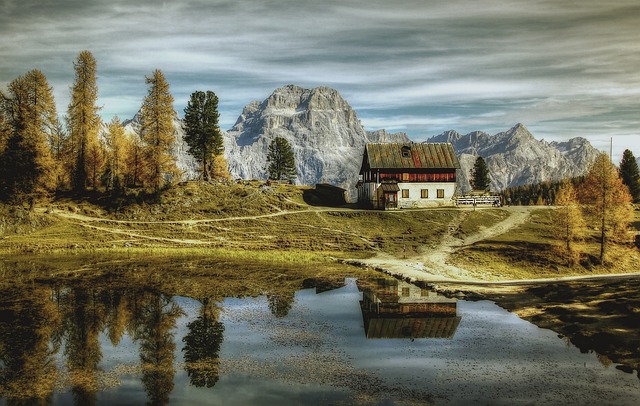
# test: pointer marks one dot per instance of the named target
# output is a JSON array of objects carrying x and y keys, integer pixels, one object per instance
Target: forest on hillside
[{"x": 41, "y": 154}]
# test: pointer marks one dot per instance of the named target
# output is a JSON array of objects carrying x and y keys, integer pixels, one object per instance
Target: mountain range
[
  {"x": 328, "y": 141},
  {"x": 515, "y": 157}
]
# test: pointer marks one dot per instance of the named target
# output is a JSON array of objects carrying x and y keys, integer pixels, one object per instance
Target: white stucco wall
[
  {"x": 415, "y": 201},
  {"x": 366, "y": 193}
]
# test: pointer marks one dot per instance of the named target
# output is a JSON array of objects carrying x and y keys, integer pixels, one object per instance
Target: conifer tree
[
  {"x": 480, "y": 175},
  {"x": 280, "y": 159},
  {"x": 27, "y": 169},
  {"x": 203, "y": 134},
  {"x": 630, "y": 174},
  {"x": 5, "y": 130},
  {"x": 134, "y": 160},
  {"x": 84, "y": 122},
  {"x": 608, "y": 202},
  {"x": 116, "y": 155},
  {"x": 157, "y": 133},
  {"x": 569, "y": 222},
  {"x": 220, "y": 168}
]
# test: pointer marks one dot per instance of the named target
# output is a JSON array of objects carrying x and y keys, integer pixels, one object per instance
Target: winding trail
[{"x": 434, "y": 265}]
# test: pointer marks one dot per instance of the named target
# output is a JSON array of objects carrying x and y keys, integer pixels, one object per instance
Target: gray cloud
[{"x": 562, "y": 68}]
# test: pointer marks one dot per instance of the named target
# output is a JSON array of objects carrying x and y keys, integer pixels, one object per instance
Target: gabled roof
[{"x": 411, "y": 155}]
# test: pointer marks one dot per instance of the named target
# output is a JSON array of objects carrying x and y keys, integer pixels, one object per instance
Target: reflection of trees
[
  {"x": 84, "y": 318},
  {"x": 280, "y": 304},
  {"x": 202, "y": 346},
  {"x": 28, "y": 320},
  {"x": 119, "y": 317},
  {"x": 157, "y": 318}
]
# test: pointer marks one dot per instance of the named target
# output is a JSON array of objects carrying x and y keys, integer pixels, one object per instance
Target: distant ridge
[
  {"x": 328, "y": 141},
  {"x": 515, "y": 157}
]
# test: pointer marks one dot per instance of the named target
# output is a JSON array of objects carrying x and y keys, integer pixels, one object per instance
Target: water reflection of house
[{"x": 396, "y": 309}]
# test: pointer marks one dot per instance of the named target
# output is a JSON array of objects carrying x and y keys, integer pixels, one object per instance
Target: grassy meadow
[{"x": 261, "y": 225}]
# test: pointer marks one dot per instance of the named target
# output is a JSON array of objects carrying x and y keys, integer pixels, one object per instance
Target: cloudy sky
[{"x": 563, "y": 68}]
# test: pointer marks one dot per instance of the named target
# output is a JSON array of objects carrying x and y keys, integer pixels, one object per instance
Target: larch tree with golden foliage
[
  {"x": 569, "y": 222},
  {"x": 220, "y": 168},
  {"x": 607, "y": 203},
  {"x": 115, "y": 168},
  {"x": 84, "y": 122},
  {"x": 134, "y": 160},
  {"x": 5, "y": 130},
  {"x": 27, "y": 168},
  {"x": 158, "y": 133}
]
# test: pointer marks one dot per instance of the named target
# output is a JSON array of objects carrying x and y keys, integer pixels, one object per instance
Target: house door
[{"x": 391, "y": 200}]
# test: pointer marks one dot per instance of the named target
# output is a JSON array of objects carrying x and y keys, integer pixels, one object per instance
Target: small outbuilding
[{"x": 409, "y": 175}]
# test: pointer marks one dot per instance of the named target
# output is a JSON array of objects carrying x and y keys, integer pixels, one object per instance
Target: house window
[
  {"x": 405, "y": 193},
  {"x": 405, "y": 177},
  {"x": 405, "y": 292},
  {"x": 406, "y": 152},
  {"x": 440, "y": 193},
  {"x": 424, "y": 193}
]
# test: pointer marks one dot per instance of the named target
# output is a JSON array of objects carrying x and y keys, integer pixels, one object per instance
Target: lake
[{"x": 374, "y": 341}]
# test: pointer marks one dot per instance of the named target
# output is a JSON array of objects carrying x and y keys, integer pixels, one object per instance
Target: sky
[{"x": 562, "y": 68}]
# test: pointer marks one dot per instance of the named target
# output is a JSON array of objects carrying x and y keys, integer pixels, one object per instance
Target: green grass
[
  {"x": 532, "y": 251},
  {"x": 257, "y": 224}
]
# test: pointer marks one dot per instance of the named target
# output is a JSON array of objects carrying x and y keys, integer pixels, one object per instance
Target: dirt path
[{"x": 434, "y": 265}]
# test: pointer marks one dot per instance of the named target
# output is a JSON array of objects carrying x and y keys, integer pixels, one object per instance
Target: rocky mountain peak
[
  {"x": 516, "y": 134},
  {"x": 324, "y": 131},
  {"x": 515, "y": 157}
]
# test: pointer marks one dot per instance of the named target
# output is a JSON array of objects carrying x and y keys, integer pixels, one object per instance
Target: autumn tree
[
  {"x": 29, "y": 325},
  {"x": 84, "y": 318},
  {"x": 569, "y": 222},
  {"x": 157, "y": 132},
  {"x": 280, "y": 160},
  {"x": 480, "y": 175},
  {"x": 116, "y": 156},
  {"x": 630, "y": 174},
  {"x": 134, "y": 160},
  {"x": 5, "y": 129},
  {"x": 155, "y": 332},
  {"x": 220, "y": 168},
  {"x": 27, "y": 168},
  {"x": 608, "y": 202},
  {"x": 202, "y": 133},
  {"x": 84, "y": 123}
]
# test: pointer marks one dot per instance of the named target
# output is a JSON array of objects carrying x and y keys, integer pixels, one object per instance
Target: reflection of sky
[{"x": 494, "y": 357}]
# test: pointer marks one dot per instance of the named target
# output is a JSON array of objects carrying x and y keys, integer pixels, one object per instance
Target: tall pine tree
[
  {"x": 280, "y": 159},
  {"x": 27, "y": 168},
  {"x": 630, "y": 175},
  {"x": 480, "y": 175},
  {"x": 84, "y": 123},
  {"x": 203, "y": 135},
  {"x": 158, "y": 133}
]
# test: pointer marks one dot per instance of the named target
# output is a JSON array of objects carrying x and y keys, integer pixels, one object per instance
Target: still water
[{"x": 374, "y": 342}]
